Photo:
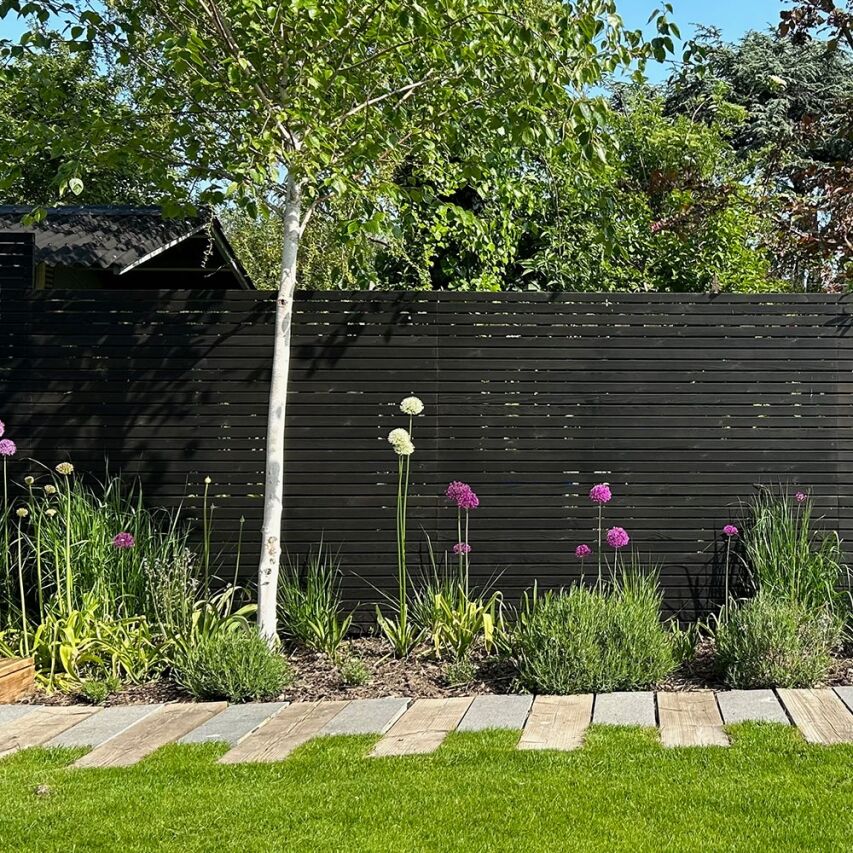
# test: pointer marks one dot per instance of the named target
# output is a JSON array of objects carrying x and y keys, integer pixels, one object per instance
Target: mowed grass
[{"x": 622, "y": 791}]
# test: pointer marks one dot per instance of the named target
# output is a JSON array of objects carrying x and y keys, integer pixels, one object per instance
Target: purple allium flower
[
  {"x": 7, "y": 447},
  {"x": 617, "y": 537},
  {"x": 800, "y": 497},
  {"x": 461, "y": 548},
  {"x": 463, "y": 495},
  {"x": 124, "y": 540},
  {"x": 582, "y": 551},
  {"x": 730, "y": 530},
  {"x": 600, "y": 494}
]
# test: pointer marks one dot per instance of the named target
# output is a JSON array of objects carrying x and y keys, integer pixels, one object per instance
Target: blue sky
[{"x": 733, "y": 17}]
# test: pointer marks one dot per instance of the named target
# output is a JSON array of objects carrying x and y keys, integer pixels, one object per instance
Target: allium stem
[
  {"x": 599, "y": 545},
  {"x": 68, "y": 578},
  {"x": 726, "y": 602},
  {"x": 467, "y": 557},
  {"x": 24, "y": 625}
]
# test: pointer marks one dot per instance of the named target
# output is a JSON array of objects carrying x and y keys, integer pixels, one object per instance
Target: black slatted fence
[{"x": 683, "y": 403}]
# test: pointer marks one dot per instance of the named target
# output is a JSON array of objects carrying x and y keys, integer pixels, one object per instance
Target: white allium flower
[
  {"x": 29, "y": 480},
  {"x": 21, "y": 512},
  {"x": 412, "y": 406},
  {"x": 399, "y": 435},
  {"x": 404, "y": 448},
  {"x": 65, "y": 468},
  {"x": 401, "y": 441},
  {"x": 50, "y": 513},
  {"x": 49, "y": 489}
]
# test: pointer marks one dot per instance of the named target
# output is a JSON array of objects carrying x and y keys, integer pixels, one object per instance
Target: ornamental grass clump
[
  {"x": 597, "y": 639},
  {"x": 786, "y": 556},
  {"x": 777, "y": 641},
  {"x": 309, "y": 602}
]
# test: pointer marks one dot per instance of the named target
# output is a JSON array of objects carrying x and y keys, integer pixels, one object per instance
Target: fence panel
[{"x": 682, "y": 402}]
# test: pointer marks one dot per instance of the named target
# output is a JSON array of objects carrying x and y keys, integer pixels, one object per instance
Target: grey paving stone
[
  {"x": 234, "y": 723},
  {"x": 15, "y": 712},
  {"x": 741, "y": 706},
  {"x": 845, "y": 694},
  {"x": 366, "y": 717},
  {"x": 106, "y": 724},
  {"x": 625, "y": 709},
  {"x": 496, "y": 712}
]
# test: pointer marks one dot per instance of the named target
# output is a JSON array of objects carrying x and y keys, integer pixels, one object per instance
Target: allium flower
[
  {"x": 412, "y": 406},
  {"x": 617, "y": 537},
  {"x": 462, "y": 495},
  {"x": 50, "y": 513},
  {"x": 399, "y": 436},
  {"x": 21, "y": 512},
  {"x": 600, "y": 494},
  {"x": 800, "y": 497},
  {"x": 404, "y": 448},
  {"x": 50, "y": 489},
  {"x": 29, "y": 480},
  {"x": 207, "y": 481},
  {"x": 582, "y": 551},
  {"x": 461, "y": 548},
  {"x": 65, "y": 468},
  {"x": 123, "y": 540},
  {"x": 7, "y": 447},
  {"x": 730, "y": 530}
]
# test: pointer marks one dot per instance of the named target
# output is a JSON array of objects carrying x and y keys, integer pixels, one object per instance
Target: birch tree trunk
[{"x": 274, "y": 481}]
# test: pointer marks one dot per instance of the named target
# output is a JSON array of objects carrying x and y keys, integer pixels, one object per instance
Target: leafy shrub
[
  {"x": 589, "y": 640},
  {"x": 235, "y": 665},
  {"x": 353, "y": 671},
  {"x": 777, "y": 641},
  {"x": 789, "y": 559},
  {"x": 309, "y": 603}
]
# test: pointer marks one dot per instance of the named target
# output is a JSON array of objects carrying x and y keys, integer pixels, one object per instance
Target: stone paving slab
[
  {"x": 8, "y": 713},
  {"x": 625, "y": 709},
  {"x": 106, "y": 724},
  {"x": 234, "y": 723},
  {"x": 845, "y": 694},
  {"x": 367, "y": 717},
  {"x": 496, "y": 712},
  {"x": 743, "y": 706}
]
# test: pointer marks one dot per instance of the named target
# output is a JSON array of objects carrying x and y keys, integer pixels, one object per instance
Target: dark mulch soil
[
  {"x": 133, "y": 694},
  {"x": 419, "y": 676}
]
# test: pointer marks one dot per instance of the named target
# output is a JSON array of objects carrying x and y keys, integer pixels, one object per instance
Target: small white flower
[
  {"x": 21, "y": 512},
  {"x": 65, "y": 468},
  {"x": 29, "y": 480},
  {"x": 49, "y": 489},
  {"x": 207, "y": 481},
  {"x": 50, "y": 513},
  {"x": 412, "y": 406}
]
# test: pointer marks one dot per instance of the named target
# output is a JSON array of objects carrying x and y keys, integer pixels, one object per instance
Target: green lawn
[{"x": 622, "y": 791}]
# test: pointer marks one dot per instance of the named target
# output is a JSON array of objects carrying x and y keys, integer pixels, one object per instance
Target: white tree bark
[{"x": 274, "y": 482}]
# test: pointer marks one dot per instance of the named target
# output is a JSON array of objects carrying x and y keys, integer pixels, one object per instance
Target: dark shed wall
[{"x": 683, "y": 403}]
